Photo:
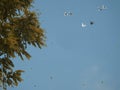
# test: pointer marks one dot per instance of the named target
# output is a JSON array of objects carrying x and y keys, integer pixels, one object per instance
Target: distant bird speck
[
  {"x": 101, "y": 8},
  {"x": 83, "y": 25},
  {"x": 91, "y": 22},
  {"x": 65, "y": 13},
  {"x": 70, "y": 13},
  {"x": 51, "y": 77}
]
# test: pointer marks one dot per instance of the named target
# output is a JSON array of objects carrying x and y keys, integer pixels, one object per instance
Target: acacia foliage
[{"x": 19, "y": 27}]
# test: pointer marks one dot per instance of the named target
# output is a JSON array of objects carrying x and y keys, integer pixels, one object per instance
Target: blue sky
[{"x": 75, "y": 58}]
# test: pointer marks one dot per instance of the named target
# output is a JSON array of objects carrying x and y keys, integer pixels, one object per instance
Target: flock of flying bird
[{"x": 101, "y": 8}]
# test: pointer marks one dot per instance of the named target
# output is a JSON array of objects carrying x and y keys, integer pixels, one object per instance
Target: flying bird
[
  {"x": 101, "y": 8},
  {"x": 70, "y": 13},
  {"x": 83, "y": 25},
  {"x": 91, "y": 22},
  {"x": 65, "y": 13}
]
